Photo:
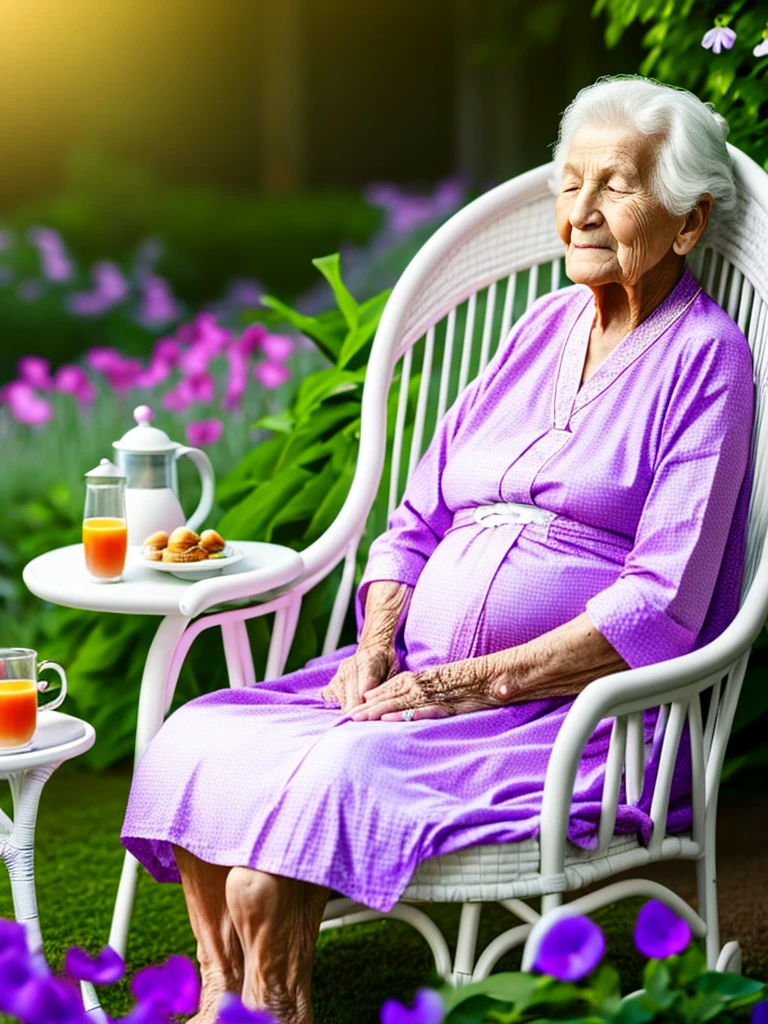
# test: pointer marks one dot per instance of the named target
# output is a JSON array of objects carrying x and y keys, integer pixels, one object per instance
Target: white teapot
[{"x": 148, "y": 457}]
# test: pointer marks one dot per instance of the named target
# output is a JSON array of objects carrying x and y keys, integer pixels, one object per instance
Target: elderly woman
[{"x": 614, "y": 423}]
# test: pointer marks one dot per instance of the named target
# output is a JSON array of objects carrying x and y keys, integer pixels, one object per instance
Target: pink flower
[
  {"x": 157, "y": 371},
  {"x": 73, "y": 380},
  {"x": 237, "y": 381},
  {"x": 276, "y": 347},
  {"x": 251, "y": 338},
  {"x": 123, "y": 375},
  {"x": 35, "y": 371},
  {"x": 178, "y": 399},
  {"x": 53, "y": 253},
  {"x": 719, "y": 39},
  {"x": 167, "y": 349},
  {"x": 202, "y": 387},
  {"x": 271, "y": 375},
  {"x": 203, "y": 432},
  {"x": 102, "y": 358},
  {"x": 25, "y": 405}
]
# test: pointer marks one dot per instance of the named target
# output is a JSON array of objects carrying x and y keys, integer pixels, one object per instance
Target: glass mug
[
  {"x": 19, "y": 688},
  {"x": 105, "y": 532}
]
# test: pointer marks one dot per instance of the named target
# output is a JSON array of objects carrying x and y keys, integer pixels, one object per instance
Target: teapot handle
[{"x": 205, "y": 469}]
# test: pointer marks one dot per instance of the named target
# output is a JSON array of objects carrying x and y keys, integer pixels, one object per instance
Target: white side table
[
  {"x": 58, "y": 738},
  {"x": 263, "y": 579}
]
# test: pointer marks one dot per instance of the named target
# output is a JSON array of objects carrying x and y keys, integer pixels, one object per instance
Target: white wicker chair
[{"x": 488, "y": 263}]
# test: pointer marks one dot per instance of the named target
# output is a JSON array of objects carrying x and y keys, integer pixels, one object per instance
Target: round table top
[
  {"x": 60, "y": 577},
  {"x": 57, "y": 738}
]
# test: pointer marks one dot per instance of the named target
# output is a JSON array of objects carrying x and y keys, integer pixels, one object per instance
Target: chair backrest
[{"x": 457, "y": 300}]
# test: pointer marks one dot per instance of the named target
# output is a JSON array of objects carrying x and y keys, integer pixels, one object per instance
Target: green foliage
[
  {"x": 735, "y": 81},
  {"x": 290, "y": 488},
  {"x": 678, "y": 990}
]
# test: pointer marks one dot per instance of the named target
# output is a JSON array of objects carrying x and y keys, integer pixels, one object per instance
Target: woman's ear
[{"x": 694, "y": 225}]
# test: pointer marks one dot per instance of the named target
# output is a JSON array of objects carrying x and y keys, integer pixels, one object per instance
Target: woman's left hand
[{"x": 451, "y": 689}]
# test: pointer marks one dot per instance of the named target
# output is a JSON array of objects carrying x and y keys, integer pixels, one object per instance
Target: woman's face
[{"x": 614, "y": 230}]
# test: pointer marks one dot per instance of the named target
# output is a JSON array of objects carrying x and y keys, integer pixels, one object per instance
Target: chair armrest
[
  {"x": 282, "y": 566},
  {"x": 622, "y": 693}
]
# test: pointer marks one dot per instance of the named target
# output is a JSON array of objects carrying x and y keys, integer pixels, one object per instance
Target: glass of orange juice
[
  {"x": 105, "y": 533},
  {"x": 18, "y": 696}
]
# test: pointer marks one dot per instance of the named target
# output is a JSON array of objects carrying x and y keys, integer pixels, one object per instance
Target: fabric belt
[
  {"x": 511, "y": 513},
  {"x": 520, "y": 514}
]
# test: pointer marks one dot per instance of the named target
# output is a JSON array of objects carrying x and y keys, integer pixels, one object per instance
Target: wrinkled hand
[
  {"x": 452, "y": 689},
  {"x": 361, "y": 672}
]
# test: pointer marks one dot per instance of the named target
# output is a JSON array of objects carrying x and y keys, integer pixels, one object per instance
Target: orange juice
[
  {"x": 18, "y": 712},
  {"x": 105, "y": 541}
]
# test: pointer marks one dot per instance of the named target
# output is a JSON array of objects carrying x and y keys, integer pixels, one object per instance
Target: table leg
[
  {"x": 151, "y": 713},
  {"x": 19, "y": 848}
]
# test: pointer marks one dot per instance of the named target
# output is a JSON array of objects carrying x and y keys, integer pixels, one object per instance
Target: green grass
[{"x": 356, "y": 968}]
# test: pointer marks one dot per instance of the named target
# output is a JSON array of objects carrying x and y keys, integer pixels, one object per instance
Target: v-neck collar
[{"x": 569, "y": 396}]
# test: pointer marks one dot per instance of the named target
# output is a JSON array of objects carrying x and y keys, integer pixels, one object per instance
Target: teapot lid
[
  {"x": 105, "y": 471},
  {"x": 144, "y": 438}
]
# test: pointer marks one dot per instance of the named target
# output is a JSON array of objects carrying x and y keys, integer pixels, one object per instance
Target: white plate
[{"x": 196, "y": 570}]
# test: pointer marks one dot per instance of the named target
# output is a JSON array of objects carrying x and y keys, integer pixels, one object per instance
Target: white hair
[{"x": 692, "y": 156}]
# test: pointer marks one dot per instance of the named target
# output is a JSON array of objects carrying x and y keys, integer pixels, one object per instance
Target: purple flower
[
  {"x": 29, "y": 290},
  {"x": 53, "y": 253},
  {"x": 147, "y": 256},
  {"x": 427, "y": 1009},
  {"x": 25, "y": 405},
  {"x": 276, "y": 347},
  {"x": 35, "y": 371},
  {"x": 232, "y": 1011},
  {"x": 271, "y": 375},
  {"x": 173, "y": 986},
  {"x": 31, "y": 993},
  {"x": 659, "y": 932},
  {"x": 571, "y": 949},
  {"x": 245, "y": 291},
  {"x": 760, "y": 1013},
  {"x": 13, "y": 938},
  {"x": 103, "y": 969},
  {"x": 158, "y": 304},
  {"x": 203, "y": 432},
  {"x": 719, "y": 39},
  {"x": 102, "y": 358},
  {"x": 167, "y": 349}
]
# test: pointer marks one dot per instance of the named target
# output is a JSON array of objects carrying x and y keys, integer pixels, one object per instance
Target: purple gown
[{"x": 647, "y": 469}]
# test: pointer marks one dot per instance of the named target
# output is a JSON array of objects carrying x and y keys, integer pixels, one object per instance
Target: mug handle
[
  {"x": 205, "y": 469},
  {"x": 42, "y": 686}
]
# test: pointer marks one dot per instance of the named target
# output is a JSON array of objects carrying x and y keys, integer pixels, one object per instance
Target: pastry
[
  {"x": 182, "y": 539},
  {"x": 154, "y": 546},
  {"x": 211, "y": 542},
  {"x": 193, "y": 554}
]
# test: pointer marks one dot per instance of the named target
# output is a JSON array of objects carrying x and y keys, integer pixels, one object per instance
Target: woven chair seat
[{"x": 502, "y": 871}]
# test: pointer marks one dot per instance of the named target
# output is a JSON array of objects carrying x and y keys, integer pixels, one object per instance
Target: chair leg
[
  {"x": 283, "y": 632},
  {"x": 706, "y": 884},
  {"x": 234, "y": 645},
  {"x": 466, "y": 944}
]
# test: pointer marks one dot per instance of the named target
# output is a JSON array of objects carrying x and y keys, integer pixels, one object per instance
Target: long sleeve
[{"x": 657, "y": 606}]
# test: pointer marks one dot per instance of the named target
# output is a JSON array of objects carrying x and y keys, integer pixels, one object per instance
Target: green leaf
[
  {"x": 334, "y": 499},
  {"x": 281, "y": 422},
  {"x": 251, "y": 518},
  {"x": 512, "y": 987},
  {"x": 325, "y": 384},
  {"x": 317, "y": 328},
  {"x": 473, "y": 1010},
  {"x": 727, "y": 986},
  {"x": 330, "y": 268},
  {"x": 634, "y": 1009},
  {"x": 656, "y": 979}
]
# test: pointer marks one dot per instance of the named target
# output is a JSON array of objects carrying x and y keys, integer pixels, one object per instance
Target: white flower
[
  {"x": 718, "y": 39},
  {"x": 761, "y": 50}
]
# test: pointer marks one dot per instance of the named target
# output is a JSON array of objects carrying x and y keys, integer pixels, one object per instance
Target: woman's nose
[{"x": 585, "y": 211}]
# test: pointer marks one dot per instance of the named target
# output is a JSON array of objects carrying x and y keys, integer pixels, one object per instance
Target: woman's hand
[
  {"x": 453, "y": 689},
  {"x": 369, "y": 666}
]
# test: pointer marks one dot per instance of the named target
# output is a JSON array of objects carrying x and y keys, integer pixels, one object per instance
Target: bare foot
[{"x": 211, "y": 992}]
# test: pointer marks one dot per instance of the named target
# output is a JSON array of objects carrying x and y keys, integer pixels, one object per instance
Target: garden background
[{"x": 165, "y": 167}]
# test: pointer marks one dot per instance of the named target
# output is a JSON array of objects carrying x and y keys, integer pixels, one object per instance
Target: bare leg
[
  {"x": 277, "y": 920},
  {"x": 219, "y": 952}
]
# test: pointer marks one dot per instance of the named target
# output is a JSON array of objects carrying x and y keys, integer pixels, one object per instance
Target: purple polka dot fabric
[{"x": 646, "y": 469}]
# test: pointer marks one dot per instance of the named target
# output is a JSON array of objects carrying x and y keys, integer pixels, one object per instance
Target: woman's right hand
[{"x": 369, "y": 666}]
